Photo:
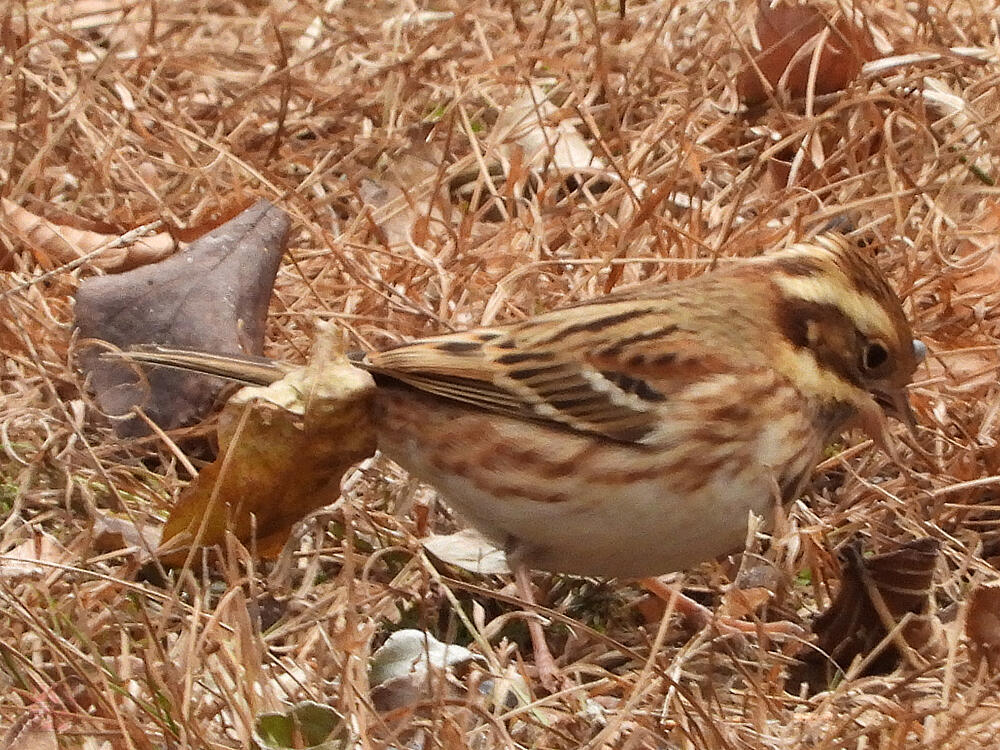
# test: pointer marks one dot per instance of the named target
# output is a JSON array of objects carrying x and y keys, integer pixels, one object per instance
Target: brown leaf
[
  {"x": 284, "y": 449},
  {"x": 788, "y": 35},
  {"x": 758, "y": 583},
  {"x": 212, "y": 297},
  {"x": 982, "y": 624},
  {"x": 54, "y": 244},
  {"x": 875, "y": 594},
  {"x": 738, "y": 603},
  {"x": 112, "y": 534}
]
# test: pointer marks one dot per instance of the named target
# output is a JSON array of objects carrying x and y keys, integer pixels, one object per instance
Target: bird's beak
[
  {"x": 896, "y": 404},
  {"x": 872, "y": 418},
  {"x": 891, "y": 402}
]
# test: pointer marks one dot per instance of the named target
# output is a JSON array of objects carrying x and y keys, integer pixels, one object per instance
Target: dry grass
[{"x": 116, "y": 115}]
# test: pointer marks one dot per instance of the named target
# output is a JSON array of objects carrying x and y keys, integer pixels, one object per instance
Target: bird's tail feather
[{"x": 242, "y": 368}]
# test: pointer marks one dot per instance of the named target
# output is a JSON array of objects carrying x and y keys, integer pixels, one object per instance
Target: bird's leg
[
  {"x": 683, "y": 605},
  {"x": 548, "y": 672},
  {"x": 702, "y": 616}
]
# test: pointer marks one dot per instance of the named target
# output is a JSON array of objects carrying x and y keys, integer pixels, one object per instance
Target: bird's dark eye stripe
[
  {"x": 798, "y": 319},
  {"x": 795, "y": 315}
]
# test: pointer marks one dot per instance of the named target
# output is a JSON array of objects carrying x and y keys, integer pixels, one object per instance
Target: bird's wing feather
[{"x": 552, "y": 371}]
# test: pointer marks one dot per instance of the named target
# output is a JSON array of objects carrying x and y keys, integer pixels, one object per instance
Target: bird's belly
[
  {"x": 640, "y": 530},
  {"x": 569, "y": 503}
]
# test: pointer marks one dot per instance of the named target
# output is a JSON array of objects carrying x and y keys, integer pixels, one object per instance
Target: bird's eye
[{"x": 874, "y": 356}]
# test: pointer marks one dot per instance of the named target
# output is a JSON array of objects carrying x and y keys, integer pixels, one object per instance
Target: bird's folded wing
[{"x": 501, "y": 371}]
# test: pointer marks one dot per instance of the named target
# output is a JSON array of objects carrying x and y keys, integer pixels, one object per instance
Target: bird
[{"x": 634, "y": 434}]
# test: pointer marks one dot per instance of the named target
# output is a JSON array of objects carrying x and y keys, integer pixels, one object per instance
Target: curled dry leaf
[
  {"x": 402, "y": 199},
  {"x": 982, "y": 624},
  {"x": 952, "y": 106},
  {"x": 875, "y": 595},
  {"x": 740, "y": 602},
  {"x": 758, "y": 583},
  {"x": 212, "y": 297},
  {"x": 960, "y": 360},
  {"x": 410, "y": 665},
  {"x": 788, "y": 36},
  {"x": 535, "y": 140},
  {"x": 112, "y": 534},
  {"x": 533, "y": 146},
  {"x": 529, "y": 123},
  {"x": 54, "y": 244},
  {"x": 283, "y": 451},
  {"x": 469, "y": 550}
]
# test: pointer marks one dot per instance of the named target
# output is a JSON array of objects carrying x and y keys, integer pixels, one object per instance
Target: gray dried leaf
[{"x": 212, "y": 297}]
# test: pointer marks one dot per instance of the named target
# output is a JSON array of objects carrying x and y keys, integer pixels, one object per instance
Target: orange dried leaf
[
  {"x": 284, "y": 449},
  {"x": 788, "y": 35},
  {"x": 982, "y": 624},
  {"x": 54, "y": 244},
  {"x": 739, "y": 602}
]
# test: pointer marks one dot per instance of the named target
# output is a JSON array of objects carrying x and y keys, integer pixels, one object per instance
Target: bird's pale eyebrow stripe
[{"x": 867, "y": 313}]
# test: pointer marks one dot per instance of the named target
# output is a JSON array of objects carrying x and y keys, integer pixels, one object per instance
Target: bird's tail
[{"x": 242, "y": 368}]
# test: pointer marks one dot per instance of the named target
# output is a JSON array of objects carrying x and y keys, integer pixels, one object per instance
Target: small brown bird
[{"x": 630, "y": 436}]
